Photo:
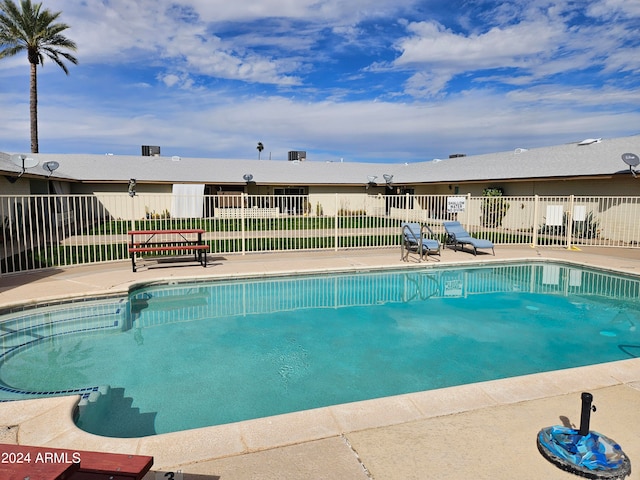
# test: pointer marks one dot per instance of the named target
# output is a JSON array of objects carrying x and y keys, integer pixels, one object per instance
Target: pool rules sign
[{"x": 456, "y": 204}]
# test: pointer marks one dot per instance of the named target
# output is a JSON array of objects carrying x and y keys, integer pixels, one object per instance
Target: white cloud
[
  {"x": 123, "y": 32},
  {"x": 575, "y": 97},
  {"x": 432, "y": 44},
  {"x": 526, "y": 42},
  {"x": 439, "y": 54},
  {"x": 611, "y": 9},
  {"x": 328, "y": 11},
  {"x": 170, "y": 79},
  {"x": 197, "y": 36},
  {"x": 427, "y": 84}
]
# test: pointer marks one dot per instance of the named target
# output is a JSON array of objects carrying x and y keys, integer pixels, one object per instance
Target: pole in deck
[{"x": 585, "y": 414}]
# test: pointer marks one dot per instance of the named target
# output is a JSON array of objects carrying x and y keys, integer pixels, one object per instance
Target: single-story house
[{"x": 589, "y": 167}]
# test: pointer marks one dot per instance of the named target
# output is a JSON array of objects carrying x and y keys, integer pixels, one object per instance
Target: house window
[
  {"x": 289, "y": 191},
  {"x": 292, "y": 201}
]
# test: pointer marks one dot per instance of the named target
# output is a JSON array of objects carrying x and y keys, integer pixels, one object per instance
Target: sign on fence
[{"x": 456, "y": 204}]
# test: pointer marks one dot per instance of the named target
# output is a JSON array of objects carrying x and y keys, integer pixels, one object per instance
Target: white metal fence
[{"x": 39, "y": 231}]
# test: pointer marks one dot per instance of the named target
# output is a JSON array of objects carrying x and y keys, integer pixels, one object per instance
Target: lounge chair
[
  {"x": 457, "y": 235},
  {"x": 419, "y": 238}
]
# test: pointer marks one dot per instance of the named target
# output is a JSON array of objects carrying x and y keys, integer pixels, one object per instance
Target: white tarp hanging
[
  {"x": 63, "y": 202},
  {"x": 187, "y": 200},
  {"x": 60, "y": 188},
  {"x": 579, "y": 213},
  {"x": 555, "y": 215}
]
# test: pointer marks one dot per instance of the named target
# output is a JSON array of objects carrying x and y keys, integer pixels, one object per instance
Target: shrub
[{"x": 494, "y": 207}]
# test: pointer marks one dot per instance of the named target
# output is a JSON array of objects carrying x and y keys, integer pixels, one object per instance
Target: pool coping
[{"x": 49, "y": 421}]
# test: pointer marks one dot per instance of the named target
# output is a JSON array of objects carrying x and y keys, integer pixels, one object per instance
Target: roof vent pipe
[{"x": 589, "y": 141}]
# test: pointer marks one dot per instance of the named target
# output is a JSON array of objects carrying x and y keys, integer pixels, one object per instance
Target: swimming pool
[{"x": 174, "y": 357}]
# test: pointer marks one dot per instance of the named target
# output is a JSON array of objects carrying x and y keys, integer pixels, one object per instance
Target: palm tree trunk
[{"x": 33, "y": 107}]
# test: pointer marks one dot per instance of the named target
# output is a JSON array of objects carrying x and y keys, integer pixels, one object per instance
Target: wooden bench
[
  {"x": 181, "y": 241},
  {"x": 18, "y": 462}
]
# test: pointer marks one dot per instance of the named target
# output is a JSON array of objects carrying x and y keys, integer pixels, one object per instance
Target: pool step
[{"x": 111, "y": 414}]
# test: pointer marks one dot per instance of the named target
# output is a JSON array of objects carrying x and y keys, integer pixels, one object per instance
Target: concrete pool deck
[{"x": 479, "y": 431}]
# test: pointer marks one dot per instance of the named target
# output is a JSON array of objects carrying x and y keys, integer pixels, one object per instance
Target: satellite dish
[
  {"x": 371, "y": 180},
  {"x": 247, "y": 177},
  {"x": 30, "y": 162},
  {"x": 631, "y": 159},
  {"x": 50, "y": 166},
  {"x": 22, "y": 161},
  {"x": 17, "y": 159}
]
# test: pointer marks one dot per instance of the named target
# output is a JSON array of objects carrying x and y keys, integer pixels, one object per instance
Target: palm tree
[
  {"x": 28, "y": 27},
  {"x": 260, "y": 147}
]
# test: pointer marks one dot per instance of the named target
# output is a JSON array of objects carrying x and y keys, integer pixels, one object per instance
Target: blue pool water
[{"x": 174, "y": 357}]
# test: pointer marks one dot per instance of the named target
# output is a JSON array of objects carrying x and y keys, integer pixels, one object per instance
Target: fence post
[
  {"x": 534, "y": 228},
  {"x": 133, "y": 214},
  {"x": 336, "y": 220},
  {"x": 242, "y": 217},
  {"x": 570, "y": 222},
  {"x": 406, "y": 208}
]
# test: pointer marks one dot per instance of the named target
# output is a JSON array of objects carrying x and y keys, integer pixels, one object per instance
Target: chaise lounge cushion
[{"x": 459, "y": 236}]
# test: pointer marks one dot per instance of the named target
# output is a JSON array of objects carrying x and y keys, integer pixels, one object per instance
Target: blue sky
[{"x": 359, "y": 80}]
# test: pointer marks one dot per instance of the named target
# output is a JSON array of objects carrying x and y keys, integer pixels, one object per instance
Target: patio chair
[
  {"x": 419, "y": 238},
  {"x": 457, "y": 235}
]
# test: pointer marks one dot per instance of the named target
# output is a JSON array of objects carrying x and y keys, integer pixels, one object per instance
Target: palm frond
[{"x": 29, "y": 27}]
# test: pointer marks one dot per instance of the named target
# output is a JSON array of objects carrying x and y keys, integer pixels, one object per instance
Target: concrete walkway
[{"x": 480, "y": 431}]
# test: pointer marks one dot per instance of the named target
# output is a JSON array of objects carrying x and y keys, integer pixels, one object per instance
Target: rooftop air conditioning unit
[
  {"x": 297, "y": 156},
  {"x": 150, "y": 151}
]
